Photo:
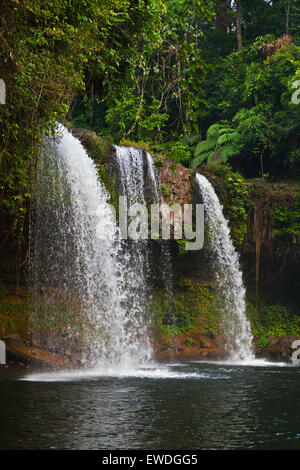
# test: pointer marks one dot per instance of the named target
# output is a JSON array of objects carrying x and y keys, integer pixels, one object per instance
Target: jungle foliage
[
  {"x": 192, "y": 94},
  {"x": 47, "y": 51},
  {"x": 255, "y": 124},
  {"x": 202, "y": 82},
  {"x": 161, "y": 73}
]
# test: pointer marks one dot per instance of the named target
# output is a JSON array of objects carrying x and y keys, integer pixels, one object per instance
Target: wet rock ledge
[
  {"x": 280, "y": 349},
  {"x": 20, "y": 353}
]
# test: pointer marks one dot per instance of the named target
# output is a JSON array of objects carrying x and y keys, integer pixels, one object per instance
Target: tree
[
  {"x": 287, "y": 8},
  {"x": 47, "y": 49},
  {"x": 159, "y": 97},
  {"x": 252, "y": 90},
  {"x": 239, "y": 24},
  {"x": 258, "y": 133}
]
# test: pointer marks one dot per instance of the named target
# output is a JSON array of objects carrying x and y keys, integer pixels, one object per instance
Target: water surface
[{"x": 188, "y": 405}]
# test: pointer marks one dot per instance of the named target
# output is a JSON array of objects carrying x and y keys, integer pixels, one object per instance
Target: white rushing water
[
  {"x": 139, "y": 183},
  {"x": 228, "y": 274},
  {"x": 80, "y": 276},
  {"x": 91, "y": 289}
]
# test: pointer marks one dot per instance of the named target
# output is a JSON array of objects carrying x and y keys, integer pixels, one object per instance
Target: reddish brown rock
[
  {"x": 179, "y": 182},
  {"x": 189, "y": 346},
  {"x": 279, "y": 349},
  {"x": 19, "y": 352}
]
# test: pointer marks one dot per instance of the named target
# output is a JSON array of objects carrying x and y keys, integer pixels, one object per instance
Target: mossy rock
[
  {"x": 99, "y": 149},
  {"x": 195, "y": 310},
  {"x": 101, "y": 152}
]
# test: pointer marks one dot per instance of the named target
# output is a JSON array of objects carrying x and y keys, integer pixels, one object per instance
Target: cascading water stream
[
  {"x": 139, "y": 183},
  {"x": 81, "y": 280},
  {"x": 228, "y": 274},
  {"x": 91, "y": 292}
]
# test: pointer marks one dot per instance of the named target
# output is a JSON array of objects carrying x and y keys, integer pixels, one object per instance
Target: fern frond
[
  {"x": 200, "y": 159},
  {"x": 227, "y": 138},
  {"x": 213, "y": 131},
  {"x": 227, "y": 152},
  {"x": 226, "y": 130},
  {"x": 205, "y": 146}
]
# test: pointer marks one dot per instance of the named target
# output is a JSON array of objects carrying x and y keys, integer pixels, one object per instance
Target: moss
[
  {"x": 140, "y": 145},
  {"x": 271, "y": 319},
  {"x": 109, "y": 179},
  {"x": 101, "y": 151},
  {"x": 165, "y": 190},
  {"x": 189, "y": 342},
  {"x": 195, "y": 310},
  {"x": 12, "y": 309},
  {"x": 14, "y": 318}
]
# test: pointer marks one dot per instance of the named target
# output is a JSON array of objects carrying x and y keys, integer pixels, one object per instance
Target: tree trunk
[
  {"x": 287, "y": 7},
  {"x": 238, "y": 24},
  {"x": 221, "y": 10}
]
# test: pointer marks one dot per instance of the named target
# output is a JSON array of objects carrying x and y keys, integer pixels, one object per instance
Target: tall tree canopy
[
  {"x": 47, "y": 49},
  {"x": 158, "y": 71}
]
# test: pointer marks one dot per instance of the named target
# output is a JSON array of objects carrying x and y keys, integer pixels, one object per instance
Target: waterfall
[
  {"x": 81, "y": 279},
  {"x": 228, "y": 274},
  {"x": 139, "y": 182}
]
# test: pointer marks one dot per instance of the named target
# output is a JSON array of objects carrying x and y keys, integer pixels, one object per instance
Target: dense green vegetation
[
  {"x": 272, "y": 319},
  {"x": 47, "y": 52},
  {"x": 195, "y": 310},
  {"x": 258, "y": 125},
  {"x": 196, "y": 95},
  {"x": 193, "y": 80}
]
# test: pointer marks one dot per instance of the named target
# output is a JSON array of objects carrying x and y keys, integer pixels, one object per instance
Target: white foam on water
[
  {"x": 247, "y": 363},
  {"x": 147, "y": 372}
]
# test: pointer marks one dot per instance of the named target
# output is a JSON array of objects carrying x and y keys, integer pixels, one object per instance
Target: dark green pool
[{"x": 168, "y": 406}]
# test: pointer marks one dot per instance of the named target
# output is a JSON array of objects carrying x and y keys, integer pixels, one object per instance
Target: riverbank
[{"x": 22, "y": 354}]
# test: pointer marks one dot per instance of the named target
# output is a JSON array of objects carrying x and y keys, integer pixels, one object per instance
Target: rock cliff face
[
  {"x": 19, "y": 352},
  {"x": 178, "y": 182},
  {"x": 284, "y": 348},
  {"x": 263, "y": 234}
]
